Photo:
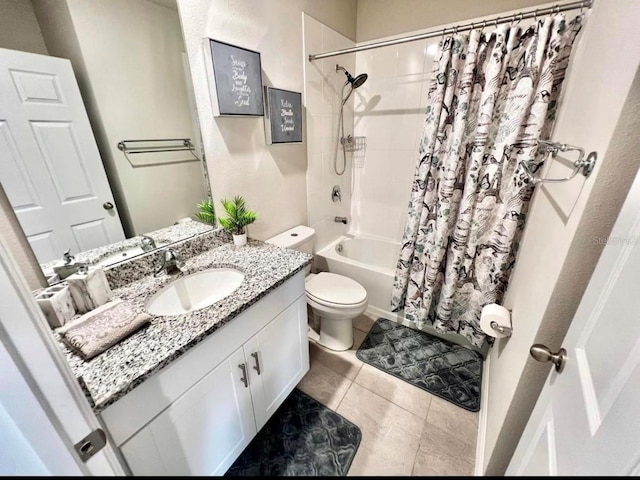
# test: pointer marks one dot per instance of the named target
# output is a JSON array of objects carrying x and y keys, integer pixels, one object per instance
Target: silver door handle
[
  {"x": 107, "y": 206},
  {"x": 256, "y": 367},
  {"x": 541, "y": 353},
  {"x": 244, "y": 379}
]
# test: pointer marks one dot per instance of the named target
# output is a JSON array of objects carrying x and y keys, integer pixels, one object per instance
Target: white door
[
  {"x": 587, "y": 419},
  {"x": 278, "y": 357},
  {"x": 203, "y": 432},
  {"x": 43, "y": 411},
  {"x": 50, "y": 167}
]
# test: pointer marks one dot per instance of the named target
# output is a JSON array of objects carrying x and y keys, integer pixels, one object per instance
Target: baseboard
[
  {"x": 482, "y": 420},
  {"x": 378, "y": 312}
]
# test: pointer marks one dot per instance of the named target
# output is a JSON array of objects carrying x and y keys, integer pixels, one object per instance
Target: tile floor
[{"x": 405, "y": 430}]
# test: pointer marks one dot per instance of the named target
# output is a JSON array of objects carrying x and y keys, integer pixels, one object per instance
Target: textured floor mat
[
  {"x": 450, "y": 371},
  {"x": 302, "y": 438}
]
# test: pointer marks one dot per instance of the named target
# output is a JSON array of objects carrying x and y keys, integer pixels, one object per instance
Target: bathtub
[{"x": 372, "y": 263}]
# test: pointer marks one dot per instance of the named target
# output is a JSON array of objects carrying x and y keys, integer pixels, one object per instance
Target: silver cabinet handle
[
  {"x": 256, "y": 367},
  {"x": 541, "y": 353},
  {"x": 107, "y": 206},
  {"x": 244, "y": 379}
]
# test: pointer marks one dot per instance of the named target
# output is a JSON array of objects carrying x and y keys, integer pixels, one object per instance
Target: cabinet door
[
  {"x": 281, "y": 350},
  {"x": 202, "y": 432}
]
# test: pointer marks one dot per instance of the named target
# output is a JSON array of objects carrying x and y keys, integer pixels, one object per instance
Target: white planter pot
[{"x": 240, "y": 240}]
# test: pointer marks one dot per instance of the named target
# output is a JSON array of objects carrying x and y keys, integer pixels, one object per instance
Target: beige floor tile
[
  {"x": 398, "y": 391},
  {"x": 451, "y": 418},
  {"x": 345, "y": 363},
  {"x": 364, "y": 322},
  {"x": 325, "y": 385},
  {"x": 390, "y": 434},
  {"x": 442, "y": 453}
]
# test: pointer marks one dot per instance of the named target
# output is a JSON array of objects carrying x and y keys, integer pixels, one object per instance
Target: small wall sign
[
  {"x": 235, "y": 80},
  {"x": 283, "y": 123}
]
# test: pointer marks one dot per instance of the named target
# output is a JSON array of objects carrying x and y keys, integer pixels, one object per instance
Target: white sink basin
[{"x": 195, "y": 291}]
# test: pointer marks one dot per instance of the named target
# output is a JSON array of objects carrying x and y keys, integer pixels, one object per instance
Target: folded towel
[{"x": 102, "y": 328}]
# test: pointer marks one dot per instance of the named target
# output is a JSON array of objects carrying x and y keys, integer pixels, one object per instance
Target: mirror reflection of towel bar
[
  {"x": 582, "y": 165},
  {"x": 128, "y": 146}
]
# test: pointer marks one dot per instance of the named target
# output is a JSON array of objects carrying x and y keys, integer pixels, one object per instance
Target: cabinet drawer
[{"x": 140, "y": 406}]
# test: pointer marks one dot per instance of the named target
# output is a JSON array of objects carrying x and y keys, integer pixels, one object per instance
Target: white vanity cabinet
[{"x": 252, "y": 364}]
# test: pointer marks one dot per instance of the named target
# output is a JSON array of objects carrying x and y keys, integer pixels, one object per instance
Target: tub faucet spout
[{"x": 341, "y": 220}]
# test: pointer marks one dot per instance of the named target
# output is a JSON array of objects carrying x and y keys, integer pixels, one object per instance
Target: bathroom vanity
[{"x": 187, "y": 394}]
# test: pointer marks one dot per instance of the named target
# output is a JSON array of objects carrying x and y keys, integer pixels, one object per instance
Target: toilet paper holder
[{"x": 501, "y": 329}]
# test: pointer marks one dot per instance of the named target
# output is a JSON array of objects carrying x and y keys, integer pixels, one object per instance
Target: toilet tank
[{"x": 298, "y": 238}]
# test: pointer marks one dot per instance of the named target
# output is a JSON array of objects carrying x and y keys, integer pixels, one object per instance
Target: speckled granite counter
[
  {"x": 111, "y": 375},
  {"x": 163, "y": 237}
]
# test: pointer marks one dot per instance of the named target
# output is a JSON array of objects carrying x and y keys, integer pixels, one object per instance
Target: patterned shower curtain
[{"x": 492, "y": 96}]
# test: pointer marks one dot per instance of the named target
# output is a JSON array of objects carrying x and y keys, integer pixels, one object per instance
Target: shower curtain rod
[{"x": 458, "y": 28}]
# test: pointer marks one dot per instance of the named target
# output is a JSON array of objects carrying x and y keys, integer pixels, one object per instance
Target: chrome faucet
[
  {"x": 344, "y": 220},
  {"x": 170, "y": 262},
  {"x": 148, "y": 243},
  {"x": 69, "y": 267}
]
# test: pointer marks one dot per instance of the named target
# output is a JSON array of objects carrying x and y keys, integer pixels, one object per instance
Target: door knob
[
  {"x": 107, "y": 206},
  {"x": 541, "y": 353}
]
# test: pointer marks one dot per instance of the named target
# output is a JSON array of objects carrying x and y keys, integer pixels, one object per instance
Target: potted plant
[
  {"x": 238, "y": 218},
  {"x": 206, "y": 212}
]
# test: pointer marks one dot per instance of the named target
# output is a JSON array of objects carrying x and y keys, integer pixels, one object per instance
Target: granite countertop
[
  {"x": 114, "y": 373},
  {"x": 163, "y": 237}
]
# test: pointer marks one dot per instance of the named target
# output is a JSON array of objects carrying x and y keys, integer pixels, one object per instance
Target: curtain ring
[
  {"x": 455, "y": 29},
  {"x": 557, "y": 9},
  {"x": 495, "y": 22}
]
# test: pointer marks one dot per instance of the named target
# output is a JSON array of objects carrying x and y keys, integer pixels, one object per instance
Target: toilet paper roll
[{"x": 495, "y": 313}]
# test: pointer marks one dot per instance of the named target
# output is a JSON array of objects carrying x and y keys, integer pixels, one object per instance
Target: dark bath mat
[
  {"x": 302, "y": 438},
  {"x": 450, "y": 371}
]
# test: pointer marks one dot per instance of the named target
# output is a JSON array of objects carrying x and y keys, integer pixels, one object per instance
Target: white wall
[
  {"x": 604, "y": 65},
  {"x": 19, "y": 29},
  {"x": 272, "y": 178},
  {"x": 322, "y": 90},
  {"x": 380, "y": 18}
]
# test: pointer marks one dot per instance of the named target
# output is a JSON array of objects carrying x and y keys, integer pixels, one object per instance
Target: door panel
[
  {"x": 61, "y": 153},
  {"x": 51, "y": 168},
  {"x": 540, "y": 458},
  {"x": 34, "y": 87},
  {"x": 283, "y": 353},
  {"x": 595, "y": 399},
  {"x": 203, "y": 432}
]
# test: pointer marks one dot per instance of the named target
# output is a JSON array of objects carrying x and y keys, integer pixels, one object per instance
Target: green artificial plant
[
  {"x": 238, "y": 215},
  {"x": 206, "y": 213}
]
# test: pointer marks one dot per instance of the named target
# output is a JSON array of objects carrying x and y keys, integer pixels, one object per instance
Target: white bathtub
[{"x": 372, "y": 263}]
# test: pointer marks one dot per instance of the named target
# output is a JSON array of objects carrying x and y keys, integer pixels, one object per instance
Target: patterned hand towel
[{"x": 102, "y": 328}]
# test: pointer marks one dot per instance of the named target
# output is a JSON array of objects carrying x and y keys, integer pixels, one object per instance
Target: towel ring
[{"x": 582, "y": 165}]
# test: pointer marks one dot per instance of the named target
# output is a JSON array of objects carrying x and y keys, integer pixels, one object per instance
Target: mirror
[{"x": 101, "y": 154}]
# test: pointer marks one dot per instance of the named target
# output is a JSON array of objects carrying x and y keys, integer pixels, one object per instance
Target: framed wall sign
[
  {"x": 283, "y": 123},
  {"x": 235, "y": 80}
]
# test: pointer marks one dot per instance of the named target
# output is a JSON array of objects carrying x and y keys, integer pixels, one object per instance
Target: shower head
[{"x": 354, "y": 81}]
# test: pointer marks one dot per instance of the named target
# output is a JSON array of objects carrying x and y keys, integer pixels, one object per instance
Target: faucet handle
[{"x": 67, "y": 257}]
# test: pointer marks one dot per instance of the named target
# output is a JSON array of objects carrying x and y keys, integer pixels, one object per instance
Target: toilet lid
[{"x": 332, "y": 288}]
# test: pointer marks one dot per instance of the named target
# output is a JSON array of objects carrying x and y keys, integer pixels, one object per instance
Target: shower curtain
[{"x": 492, "y": 96}]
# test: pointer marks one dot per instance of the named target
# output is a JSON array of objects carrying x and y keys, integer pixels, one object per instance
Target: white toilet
[{"x": 336, "y": 299}]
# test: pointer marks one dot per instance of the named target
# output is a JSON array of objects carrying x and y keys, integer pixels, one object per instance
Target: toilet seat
[{"x": 337, "y": 291}]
